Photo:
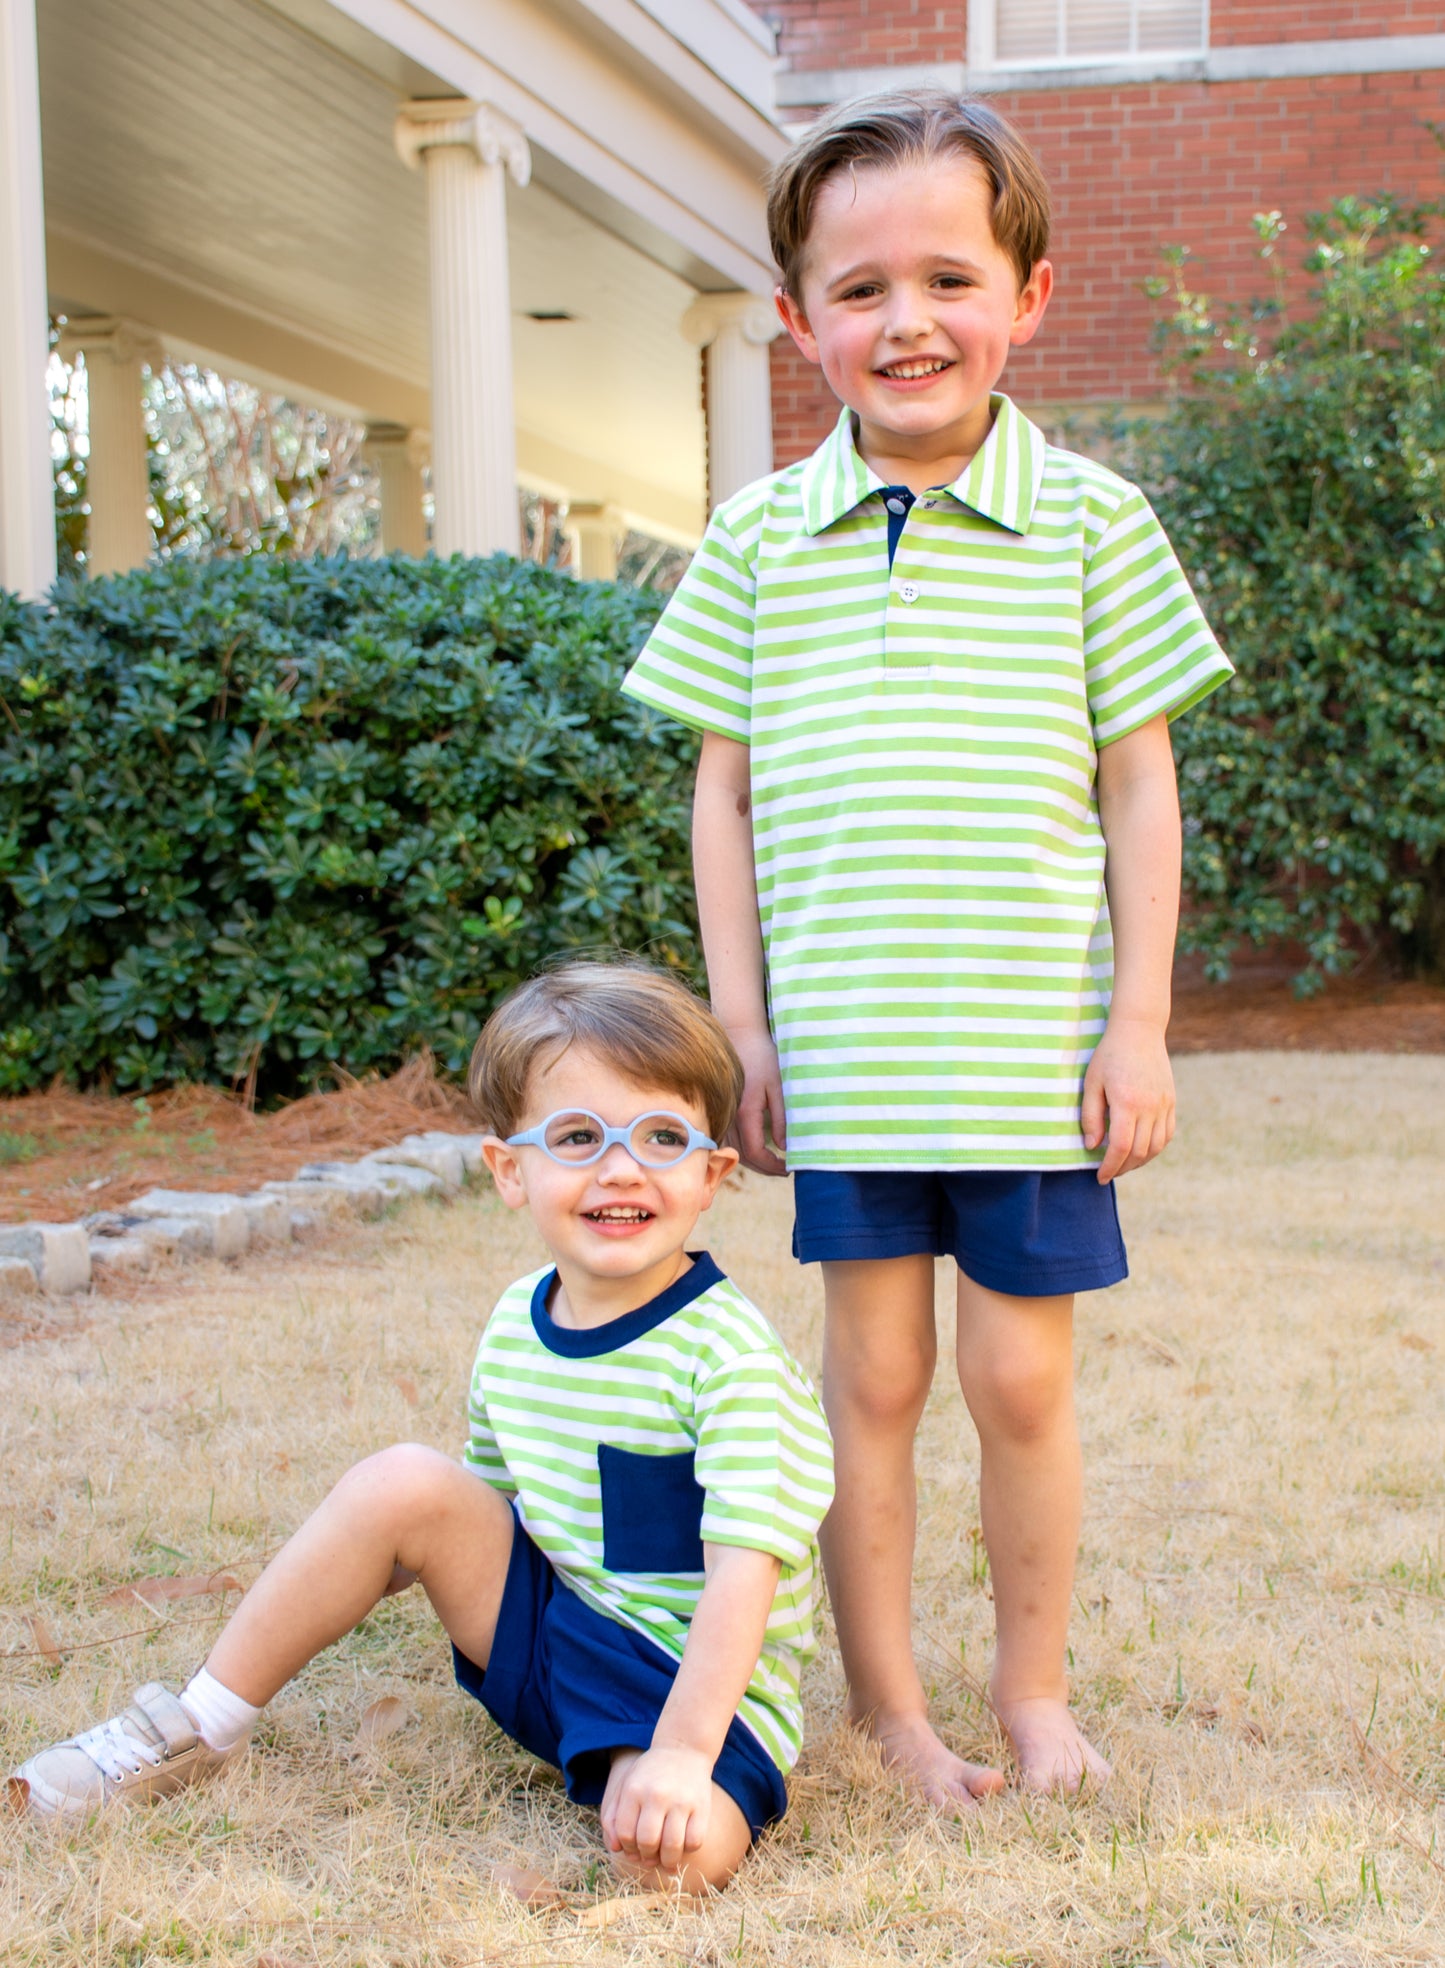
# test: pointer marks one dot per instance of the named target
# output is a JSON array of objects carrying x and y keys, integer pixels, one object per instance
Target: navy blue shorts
[
  {"x": 1029, "y": 1233},
  {"x": 571, "y": 1685}
]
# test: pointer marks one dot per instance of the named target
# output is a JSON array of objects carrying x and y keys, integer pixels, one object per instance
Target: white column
[
  {"x": 27, "y": 487},
  {"x": 469, "y": 151},
  {"x": 398, "y": 457},
  {"x": 735, "y": 330},
  {"x": 117, "y": 477},
  {"x": 596, "y": 531}
]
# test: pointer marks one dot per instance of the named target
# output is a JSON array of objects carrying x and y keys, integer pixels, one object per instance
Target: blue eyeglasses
[{"x": 577, "y": 1138}]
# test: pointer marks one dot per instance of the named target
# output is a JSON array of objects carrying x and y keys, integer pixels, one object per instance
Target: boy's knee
[
  {"x": 892, "y": 1399},
  {"x": 883, "y": 1385},
  {"x": 405, "y": 1477},
  {"x": 1018, "y": 1395}
]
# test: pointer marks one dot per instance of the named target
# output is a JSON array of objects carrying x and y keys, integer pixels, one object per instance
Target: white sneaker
[{"x": 144, "y": 1753}]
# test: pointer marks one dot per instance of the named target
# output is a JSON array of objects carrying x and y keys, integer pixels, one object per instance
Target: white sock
[{"x": 221, "y": 1718}]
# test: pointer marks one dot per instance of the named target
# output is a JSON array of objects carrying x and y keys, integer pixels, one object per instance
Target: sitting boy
[{"x": 625, "y": 1565}]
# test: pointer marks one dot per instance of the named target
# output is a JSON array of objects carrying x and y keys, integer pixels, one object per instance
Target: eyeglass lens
[{"x": 655, "y": 1140}]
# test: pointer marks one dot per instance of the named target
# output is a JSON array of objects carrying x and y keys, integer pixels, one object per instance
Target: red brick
[{"x": 1237, "y": 23}]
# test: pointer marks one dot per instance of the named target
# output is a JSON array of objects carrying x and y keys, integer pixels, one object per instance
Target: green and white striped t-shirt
[
  {"x": 627, "y": 1445},
  {"x": 924, "y": 745}
]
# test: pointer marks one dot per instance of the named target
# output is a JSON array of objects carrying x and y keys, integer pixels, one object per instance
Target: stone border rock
[{"x": 183, "y": 1223}]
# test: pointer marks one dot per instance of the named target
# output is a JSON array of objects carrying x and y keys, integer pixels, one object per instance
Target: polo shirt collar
[{"x": 1001, "y": 481}]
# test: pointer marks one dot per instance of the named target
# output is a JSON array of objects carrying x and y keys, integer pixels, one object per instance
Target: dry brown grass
[{"x": 1257, "y": 1638}]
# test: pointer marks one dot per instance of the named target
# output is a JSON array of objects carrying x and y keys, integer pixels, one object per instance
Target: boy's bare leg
[
  {"x": 407, "y": 1507},
  {"x": 1016, "y": 1367},
  {"x": 879, "y": 1348},
  {"x": 706, "y": 1870}
]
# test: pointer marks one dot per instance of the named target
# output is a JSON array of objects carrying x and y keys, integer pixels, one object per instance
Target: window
[{"x": 1051, "y": 33}]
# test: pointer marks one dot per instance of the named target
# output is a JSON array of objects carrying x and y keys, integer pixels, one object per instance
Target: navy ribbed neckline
[{"x": 585, "y": 1343}]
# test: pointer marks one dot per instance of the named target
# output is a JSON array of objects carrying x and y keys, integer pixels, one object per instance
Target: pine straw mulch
[
  {"x": 63, "y": 1154},
  {"x": 1257, "y": 1011}
]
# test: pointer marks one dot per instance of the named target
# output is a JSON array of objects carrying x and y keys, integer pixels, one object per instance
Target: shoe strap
[{"x": 161, "y": 1718}]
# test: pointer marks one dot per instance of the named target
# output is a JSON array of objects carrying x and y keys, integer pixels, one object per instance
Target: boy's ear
[
  {"x": 505, "y": 1170},
  {"x": 796, "y": 323},
  {"x": 1033, "y": 299},
  {"x": 720, "y": 1164}
]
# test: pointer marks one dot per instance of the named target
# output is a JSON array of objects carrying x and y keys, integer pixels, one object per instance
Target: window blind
[{"x": 1095, "y": 30}]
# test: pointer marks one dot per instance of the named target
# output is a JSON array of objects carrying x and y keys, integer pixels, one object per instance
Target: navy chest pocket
[{"x": 651, "y": 1511}]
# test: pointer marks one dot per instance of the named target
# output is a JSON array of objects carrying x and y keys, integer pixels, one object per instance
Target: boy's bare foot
[
  {"x": 912, "y": 1749},
  {"x": 1052, "y": 1750}
]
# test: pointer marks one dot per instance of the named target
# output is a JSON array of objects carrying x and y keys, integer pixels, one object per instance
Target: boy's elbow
[{"x": 724, "y": 768}]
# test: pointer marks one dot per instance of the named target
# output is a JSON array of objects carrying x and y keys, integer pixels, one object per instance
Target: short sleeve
[
  {"x": 1147, "y": 645},
  {"x": 482, "y": 1453},
  {"x": 697, "y": 663},
  {"x": 764, "y": 1457}
]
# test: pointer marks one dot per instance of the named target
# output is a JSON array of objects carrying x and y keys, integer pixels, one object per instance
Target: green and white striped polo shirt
[
  {"x": 684, "y": 1421},
  {"x": 924, "y": 744}
]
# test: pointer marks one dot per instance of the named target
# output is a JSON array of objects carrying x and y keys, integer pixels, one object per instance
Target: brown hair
[
  {"x": 645, "y": 1023},
  {"x": 910, "y": 127}
]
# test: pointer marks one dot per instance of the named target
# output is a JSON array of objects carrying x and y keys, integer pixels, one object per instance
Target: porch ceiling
[{"x": 221, "y": 148}]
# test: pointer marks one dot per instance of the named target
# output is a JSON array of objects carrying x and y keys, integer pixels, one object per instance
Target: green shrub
[
  {"x": 260, "y": 816},
  {"x": 1301, "y": 475}
]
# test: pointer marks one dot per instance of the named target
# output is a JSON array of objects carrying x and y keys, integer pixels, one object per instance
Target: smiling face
[
  {"x": 617, "y": 1231},
  {"x": 910, "y": 306}
]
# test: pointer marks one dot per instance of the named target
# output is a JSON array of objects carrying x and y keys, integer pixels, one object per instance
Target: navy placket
[{"x": 897, "y": 503}]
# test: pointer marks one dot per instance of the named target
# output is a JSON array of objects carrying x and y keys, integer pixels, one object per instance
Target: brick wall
[
  {"x": 863, "y": 33},
  {"x": 1188, "y": 164},
  {"x": 1235, "y": 23},
  {"x": 879, "y": 33},
  {"x": 804, "y": 408}
]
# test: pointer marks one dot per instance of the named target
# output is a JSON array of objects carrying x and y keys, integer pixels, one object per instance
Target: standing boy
[
  {"x": 625, "y": 1564},
  {"x": 936, "y": 845}
]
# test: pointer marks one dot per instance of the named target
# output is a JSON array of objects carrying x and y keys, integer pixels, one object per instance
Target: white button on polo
[
  {"x": 895, "y": 505},
  {"x": 908, "y": 591}
]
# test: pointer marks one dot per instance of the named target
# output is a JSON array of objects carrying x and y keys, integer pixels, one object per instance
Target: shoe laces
[{"x": 117, "y": 1751}]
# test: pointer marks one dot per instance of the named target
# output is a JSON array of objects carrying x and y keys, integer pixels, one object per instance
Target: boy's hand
[
  {"x": 1129, "y": 1088},
  {"x": 762, "y": 1099},
  {"x": 657, "y": 1805}
]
